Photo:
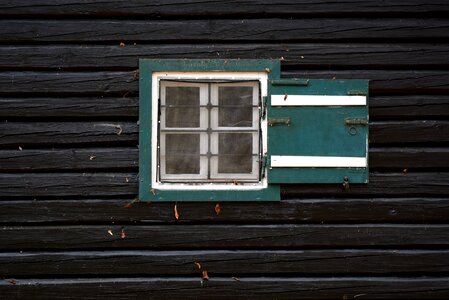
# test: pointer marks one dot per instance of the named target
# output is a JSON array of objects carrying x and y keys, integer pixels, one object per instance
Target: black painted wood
[
  {"x": 80, "y": 184},
  {"x": 67, "y": 133},
  {"x": 408, "y": 131},
  {"x": 224, "y": 262},
  {"x": 408, "y": 106},
  {"x": 384, "y": 82},
  {"x": 171, "y": 8},
  {"x": 124, "y": 158},
  {"x": 195, "y": 237},
  {"x": 302, "y": 211},
  {"x": 408, "y": 158},
  {"x": 362, "y": 55},
  {"x": 90, "y": 184},
  {"x": 61, "y": 83},
  {"x": 63, "y": 107},
  {"x": 273, "y": 29},
  {"x": 228, "y": 287}
]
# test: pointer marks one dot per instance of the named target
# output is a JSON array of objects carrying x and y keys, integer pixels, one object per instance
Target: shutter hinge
[
  {"x": 264, "y": 106},
  {"x": 356, "y": 93},
  {"x": 356, "y": 121},
  {"x": 297, "y": 82},
  {"x": 346, "y": 183},
  {"x": 281, "y": 121},
  {"x": 264, "y": 159}
]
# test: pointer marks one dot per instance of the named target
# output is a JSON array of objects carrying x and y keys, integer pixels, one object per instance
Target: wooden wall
[{"x": 70, "y": 227}]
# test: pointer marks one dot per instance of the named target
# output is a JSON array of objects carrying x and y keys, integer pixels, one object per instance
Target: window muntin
[{"x": 209, "y": 132}]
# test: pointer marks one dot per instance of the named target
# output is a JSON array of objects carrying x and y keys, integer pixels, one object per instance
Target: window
[
  {"x": 234, "y": 130},
  {"x": 209, "y": 131}
]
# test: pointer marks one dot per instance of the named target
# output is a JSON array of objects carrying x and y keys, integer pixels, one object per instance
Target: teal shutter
[{"x": 317, "y": 131}]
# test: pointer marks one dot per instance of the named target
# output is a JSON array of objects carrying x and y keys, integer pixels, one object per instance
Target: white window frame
[{"x": 261, "y": 77}]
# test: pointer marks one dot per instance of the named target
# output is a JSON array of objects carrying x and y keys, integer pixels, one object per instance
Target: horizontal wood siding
[
  {"x": 229, "y": 288},
  {"x": 71, "y": 226},
  {"x": 226, "y": 262}
]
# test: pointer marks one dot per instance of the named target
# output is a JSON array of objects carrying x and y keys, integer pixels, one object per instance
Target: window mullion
[{"x": 209, "y": 129}]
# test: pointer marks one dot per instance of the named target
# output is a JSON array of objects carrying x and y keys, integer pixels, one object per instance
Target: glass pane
[
  {"x": 182, "y": 153},
  {"x": 235, "y": 153},
  {"x": 182, "y": 106},
  {"x": 235, "y": 106}
]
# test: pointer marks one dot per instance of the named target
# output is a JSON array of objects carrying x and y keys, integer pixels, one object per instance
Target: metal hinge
[
  {"x": 346, "y": 183},
  {"x": 356, "y": 121},
  {"x": 356, "y": 93},
  {"x": 264, "y": 106},
  {"x": 297, "y": 82},
  {"x": 264, "y": 160},
  {"x": 281, "y": 121}
]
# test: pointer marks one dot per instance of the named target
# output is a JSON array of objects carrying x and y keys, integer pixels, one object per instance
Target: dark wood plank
[
  {"x": 38, "y": 83},
  {"x": 384, "y": 82},
  {"x": 274, "y": 29},
  {"x": 223, "y": 262},
  {"x": 80, "y": 184},
  {"x": 410, "y": 106},
  {"x": 408, "y": 158},
  {"x": 54, "y": 133},
  {"x": 228, "y": 288},
  {"x": 70, "y": 159},
  {"x": 179, "y": 237},
  {"x": 61, "y": 107},
  {"x": 381, "y": 107},
  {"x": 81, "y": 159},
  {"x": 119, "y": 184},
  {"x": 50, "y": 134},
  {"x": 171, "y": 8},
  {"x": 408, "y": 131},
  {"x": 126, "y": 211},
  {"x": 361, "y": 55}
]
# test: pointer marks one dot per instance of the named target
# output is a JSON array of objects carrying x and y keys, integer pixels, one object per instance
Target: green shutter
[{"x": 315, "y": 137}]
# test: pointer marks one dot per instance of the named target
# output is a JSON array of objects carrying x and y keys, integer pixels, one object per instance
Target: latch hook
[{"x": 346, "y": 183}]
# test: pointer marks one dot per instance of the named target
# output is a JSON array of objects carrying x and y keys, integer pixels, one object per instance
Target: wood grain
[
  {"x": 64, "y": 107},
  {"x": 171, "y": 8},
  {"x": 224, "y": 262},
  {"x": 226, "y": 237},
  {"x": 227, "y": 287},
  {"x": 66, "y": 133},
  {"x": 418, "y": 210},
  {"x": 245, "y": 29},
  {"x": 109, "y": 158},
  {"x": 81, "y": 184},
  {"x": 294, "y": 55}
]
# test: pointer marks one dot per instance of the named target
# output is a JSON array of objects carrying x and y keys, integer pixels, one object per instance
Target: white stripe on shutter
[
  {"x": 316, "y": 100},
  {"x": 285, "y": 161}
]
